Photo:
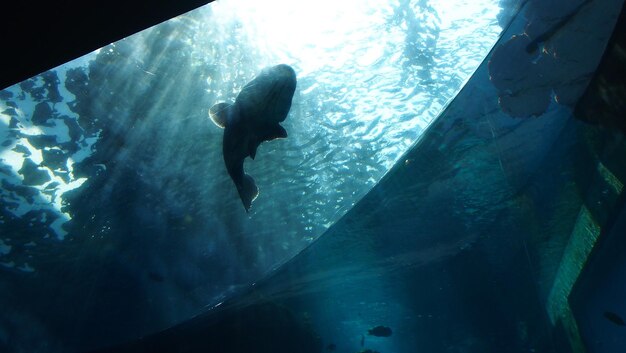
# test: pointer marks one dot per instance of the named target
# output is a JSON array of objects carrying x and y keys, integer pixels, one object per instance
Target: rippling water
[
  {"x": 109, "y": 163},
  {"x": 371, "y": 77}
]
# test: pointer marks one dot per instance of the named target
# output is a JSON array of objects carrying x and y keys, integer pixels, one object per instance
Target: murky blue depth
[{"x": 118, "y": 219}]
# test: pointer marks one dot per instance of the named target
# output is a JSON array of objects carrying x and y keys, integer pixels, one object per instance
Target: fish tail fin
[
  {"x": 248, "y": 191},
  {"x": 219, "y": 114}
]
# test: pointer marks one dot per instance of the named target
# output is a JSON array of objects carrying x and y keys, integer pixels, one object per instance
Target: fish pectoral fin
[
  {"x": 275, "y": 132},
  {"x": 219, "y": 114},
  {"x": 270, "y": 133}
]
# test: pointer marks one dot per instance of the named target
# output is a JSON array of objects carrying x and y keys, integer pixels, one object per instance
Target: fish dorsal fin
[
  {"x": 219, "y": 114},
  {"x": 274, "y": 132}
]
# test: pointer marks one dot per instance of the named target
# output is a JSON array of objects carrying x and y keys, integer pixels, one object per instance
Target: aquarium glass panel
[{"x": 118, "y": 217}]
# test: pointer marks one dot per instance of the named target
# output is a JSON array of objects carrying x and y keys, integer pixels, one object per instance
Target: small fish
[
  {"x": 331, "y": 347},
  {"x": 380, "y": 331},
  {"x": 614, "y": 318},
  {"x": 368, "y": 351},
  {"x": 254, "y": 118}
]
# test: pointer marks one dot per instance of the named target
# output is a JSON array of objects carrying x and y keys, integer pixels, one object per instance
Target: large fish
[{"x": 255, "y": 117}]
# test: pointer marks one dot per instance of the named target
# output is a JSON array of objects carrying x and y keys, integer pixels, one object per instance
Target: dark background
[{"x": 38, "y": 36}]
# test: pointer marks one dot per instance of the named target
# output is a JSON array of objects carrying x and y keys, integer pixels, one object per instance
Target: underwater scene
[{"x": 324, "y": 177}]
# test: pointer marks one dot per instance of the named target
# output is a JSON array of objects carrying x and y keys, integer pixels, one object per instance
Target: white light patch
[
  {"x": 315, "y": 31},
  {"x": 59, "y": 130},
  {"x": 57, "y": 226},
  {"x": 451, "y": 12},
  {"x": 4, "y": 120},
  {"x": 14, "y": 160}
]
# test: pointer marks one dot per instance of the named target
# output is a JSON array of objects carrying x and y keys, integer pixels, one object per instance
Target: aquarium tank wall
[{"x": 445, "y": 176}]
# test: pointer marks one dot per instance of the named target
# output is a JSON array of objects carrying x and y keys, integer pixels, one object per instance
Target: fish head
[{"x": 266, "y": 99}]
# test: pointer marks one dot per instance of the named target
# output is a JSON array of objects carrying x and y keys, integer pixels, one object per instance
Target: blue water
[{"x": 119, "y": 220}]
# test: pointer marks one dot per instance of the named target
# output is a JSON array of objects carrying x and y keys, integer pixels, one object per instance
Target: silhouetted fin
[
  {"x": 267, "y": 134},
  {"x": 219, "y": 114},
  {"x": 248, "y": 191},
  {"x": 252, "y": 146},
  {"x": 274, "y": 132},
  {"x": 614, "y": 318}
]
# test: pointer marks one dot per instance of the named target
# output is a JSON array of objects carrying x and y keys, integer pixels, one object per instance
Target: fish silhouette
[
  {"x": 614, "y": 318},
  {"x": 255, "y": 117},
  {"x": 379, "y": 331}
]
